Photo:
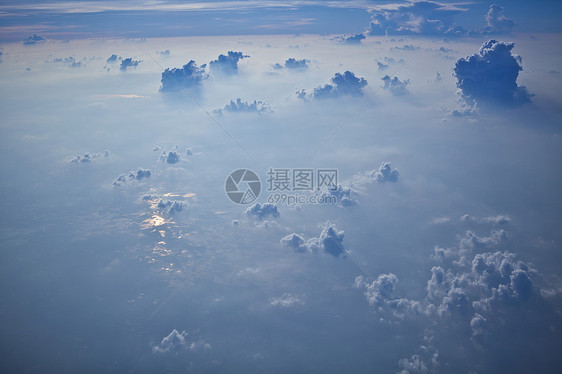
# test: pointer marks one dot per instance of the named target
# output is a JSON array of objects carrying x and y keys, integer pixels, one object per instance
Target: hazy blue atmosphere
[{"x": 280, "y": 187}]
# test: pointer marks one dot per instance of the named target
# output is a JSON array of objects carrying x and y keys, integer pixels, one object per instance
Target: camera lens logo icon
[{"x": 243, "y": 186}]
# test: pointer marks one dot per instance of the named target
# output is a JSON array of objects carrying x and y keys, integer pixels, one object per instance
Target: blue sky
[{"x": 125, "y": 124}]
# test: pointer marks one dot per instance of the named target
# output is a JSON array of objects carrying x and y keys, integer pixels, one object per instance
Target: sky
[{"x": 274, "y": 187}]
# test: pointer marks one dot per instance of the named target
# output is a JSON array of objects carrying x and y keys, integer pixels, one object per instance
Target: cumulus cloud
[
  {"x": 262, "y": 211},
  {"x": 292, "y": 63},
  {"x": 380, "y": 295},
  {"x": 490, "y": 76},
  {"x": 70, "y": 61},
  {"x": 395, "y": 85},
  {"x": 240, "y": 106},
  {"x": 382, "y": 66},
  {"x": 496, "y": 22},
  {"x": 330, "y": 241},
  {"x": 171, "y": 206},
  {"x": 34, "y": 39},
  {"x": 129, "y": 63},
  {"x": 417, "y": 17},
  {"x": 190, "y": 75},
  {"x": 112, "y": 59},
  {"x": 227, "y": 64},
  {"x": 346, "y": 84},
  {"x": 171, "y": 157},
  {"x": 353, "y": 39},
  {"x": 385, "y": 173},
  {"x": 88, "y": 157},
  {"x": 287, "y": 300},
  {"x": 179, "y": 341},
  {"x": 425, "y": 360},
  {"x": 131, "y": 177},
  {"x": 346, "y": 196}
]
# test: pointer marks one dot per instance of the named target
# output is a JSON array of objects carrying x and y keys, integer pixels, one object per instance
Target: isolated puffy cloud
[
  {"x": 129, "y": 63},
  {"x": 190, "y": 75},
  {"x": 287, "y": 300},
  {"x": 260, "y": 211},
  {"x": 34, "y": 39},
  {"x": 490, "y": 76},
  {"x": 346, "y": 84},
  {"x": 88, "y": 157},
  {"x": 395, "y": 85},
  {"x": 496, "y": 220},
  {"x": 112, "y": 59},
  {"x": 240, "y": 106},
  {"x": 292, "y": 63},
  {"x": 171, "y": 157},
  {"x": 329, "y": 241},
  {"x": 178, "y": 341},
  {"x": 425, "y": 360},
  {"x": 227, "y": 64},
  {"x": 496, "y": 22},
  {"x": 353, "y": 39},
  {"x": 164, "y": 53},
  {"x": 418, "y": 17},
  {"x": 385, "y": 173},
  {"x": 131, "y": 177}
]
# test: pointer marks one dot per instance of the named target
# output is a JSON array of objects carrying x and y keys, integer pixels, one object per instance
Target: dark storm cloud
[
  {"x": 227, "y": 64},
  {"x": 129, "y": 63},
  {"x": 262, "y": 211},
  {"x": 190, "y": 75},
  {"x": 131, "y": 177},
  {"x": 395, "y": 85},
  {"x": 490, "y": 76},
  {"x": 34, "y": 39}
]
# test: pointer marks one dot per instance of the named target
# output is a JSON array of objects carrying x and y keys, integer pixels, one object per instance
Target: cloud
[
  {"x": 344, "y": 195},
  {"x": 354, "y": 39},
  {"x": 129, "y": 63},
  {"x": 496, "y": 22},
  {"x": 418, "y": 17},
  {"x": 88, "y": 157},
  {"x": 176, "y": 341},
  {"x": 34, "y": 39},
  {"x": 425, "y": 360},
  {"x": 385, "y": 173},
  {"x": 164, "y": 53},
  {"x": 407, "y": 47},
  {"x": 395, "y": 85},
  {"x": 330, "y": 241},
  {"x": 171, "y": 206},
  {"x": 131, "y": 177},
  {"x": 171, "y": 157},
  {"x": 262, "y": 211},
  {"x": 227, "y": 64},
  {"x": 1, "y": 53},
  {"x": 190, "y": 75},
  {"x": 112, "y": 59},
  {"x": 240, "y": 106},
  {"x": 70, "y": 61},
  {"x": 496, "y": 220},
  {"x": 379, "y": 295},
  {"x": 490, "y": 76},
  {"x": 346, "y": 84},
  {"x": 382, "y": 66},
  {"x": 292, "y": 63},
  {"x": 286, "y": 301}
]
